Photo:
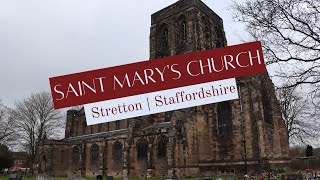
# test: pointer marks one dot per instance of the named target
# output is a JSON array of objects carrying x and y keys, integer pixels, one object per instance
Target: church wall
[
  {"x": 94, "y": 128},
  {"x": 160, "y": 164},
  {"x": 92, "y": 167},
  {"x": 54, "y": 159},
  {"x": 82, "y": 127},
  {"x": 254, "y": 128},
  {"x": 76, "y": 125},
  {"x": 247, "y": 119},
  {"x": 138, "y": 167},
  {"x": 114, "y": 168},
  {"x": 60, "y": 156},
  {"x": 157, "y": 164},
  {"x": 242, "y": 120},
  {"x": 69, "y": 123},
  {"x": 204, "y": 140},
  {"x": 180, "y": 159},
  {"x": 281, "y": 136}
]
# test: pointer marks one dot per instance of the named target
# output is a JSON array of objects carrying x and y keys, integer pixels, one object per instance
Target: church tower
[
  {"x": 185, "y": 26},
  {"x": 227, "y": 137}
]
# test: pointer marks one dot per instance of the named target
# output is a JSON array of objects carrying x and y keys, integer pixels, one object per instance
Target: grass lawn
[{"x": 5, "y": 177}]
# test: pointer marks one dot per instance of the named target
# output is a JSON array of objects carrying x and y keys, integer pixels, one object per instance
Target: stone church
[{"x": 247, "y": 134}]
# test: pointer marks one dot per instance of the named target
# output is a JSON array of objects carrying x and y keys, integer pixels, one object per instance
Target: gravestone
[
  {"x": 294, "y": 177},
  {"x": 175, "y": 177},
  {"x": 99, "y": 177}
]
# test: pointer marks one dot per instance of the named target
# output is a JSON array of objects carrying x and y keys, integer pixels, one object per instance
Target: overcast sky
[{"x": 45, "y": 38}]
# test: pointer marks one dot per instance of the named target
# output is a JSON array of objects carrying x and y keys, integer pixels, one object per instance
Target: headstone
[
  {"x": 40, "y": 178},
  {"x": 109, "y": 177},
  {"x": 70, "y": 176},
  {"x": 294, "y": 177},
  {"x": 99, "y": 177},
  {"x": 12, "y": 176},
  {"x": 175, "y": 177}
]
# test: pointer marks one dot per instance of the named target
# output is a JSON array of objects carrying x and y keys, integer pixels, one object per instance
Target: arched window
[
  {"x": 142, "y": 148},
  {"x": 266, "y": 104},
  {"x": 117, "y": 151},
  {"x": 179, "y": 126},
  {"x": 224, "y": 118},
  {"x": 162, "y": 146},
  {"x": 182, "y": 29},
  {"x": 181, "y": 34},
  {"x": 75, "y": 155},
  {"x": 206, "y": 32},
  {"x": 168, "y": 116},
  {"x": 206, "y": 27},
  {"x": 164, "y": 37},
  {"x": 163, "y": 40},
  {"x": 44, "y": 158},
  {"x": 117, "y": 125},
  {"x": 94, "y": 153},
  {"x": 99, "y": 127}
]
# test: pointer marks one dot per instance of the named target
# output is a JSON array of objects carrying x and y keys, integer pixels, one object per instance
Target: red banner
[{"x": 156, "y": 75}]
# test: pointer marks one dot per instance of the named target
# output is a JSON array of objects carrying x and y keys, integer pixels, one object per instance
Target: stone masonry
[{"x": 247, "y": 134}]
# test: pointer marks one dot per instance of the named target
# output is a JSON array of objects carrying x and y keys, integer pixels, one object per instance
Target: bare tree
[
  {"x": 298, "y": 116},
  {"x": 77, "y": 108},
  {"x": 290, "y": 34},
  {"x": 7, "y": 132},
  {"x": 36, "y": 119}
]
